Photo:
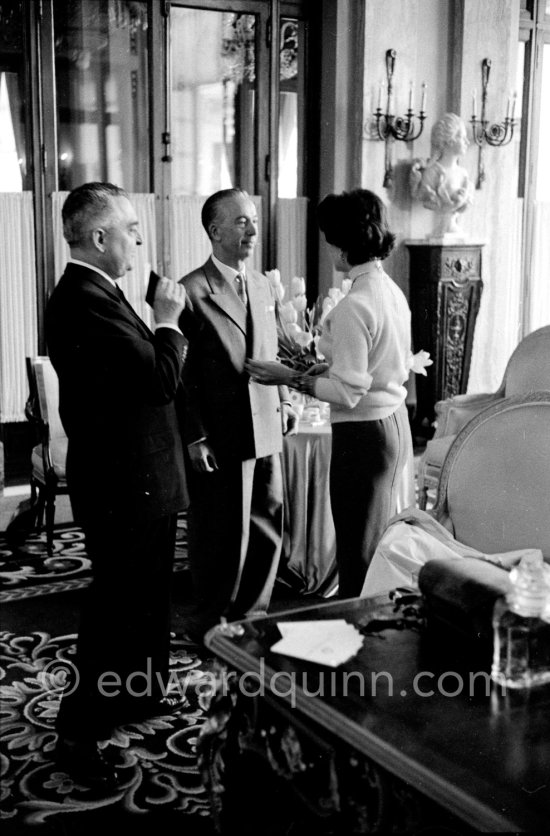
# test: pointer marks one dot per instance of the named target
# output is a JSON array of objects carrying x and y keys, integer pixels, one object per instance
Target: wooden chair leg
[
  {"x": 40, "y": 505},
  {"x": 50, "y": 517},
  {"x": 422, "y": 497}
]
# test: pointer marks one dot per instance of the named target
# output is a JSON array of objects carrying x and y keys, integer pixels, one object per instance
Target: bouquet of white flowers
[{"x": 300, "y": 327}]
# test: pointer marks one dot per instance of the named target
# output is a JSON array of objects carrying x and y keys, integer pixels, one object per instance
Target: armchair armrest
[{"x": 454, "y": 413}]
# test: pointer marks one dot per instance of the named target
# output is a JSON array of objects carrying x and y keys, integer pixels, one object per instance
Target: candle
[
  {"x": 411, "y": 91},
  {"x": 474, "y": 105},
  {"x": 423, "y": 102},
  {"x": 514, "y": 97},
  {"x": 380, "y": 96},
  {"x": 508, "y": 106}
]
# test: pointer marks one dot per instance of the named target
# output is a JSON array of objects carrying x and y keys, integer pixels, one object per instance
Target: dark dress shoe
[{"x": 85, "y": 764}]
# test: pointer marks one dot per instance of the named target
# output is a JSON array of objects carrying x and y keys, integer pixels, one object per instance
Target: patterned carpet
[
  {"x": 156, "y": 758},
  {"x": 28, "y": 571},
  {"x": 161, "y": 785}
]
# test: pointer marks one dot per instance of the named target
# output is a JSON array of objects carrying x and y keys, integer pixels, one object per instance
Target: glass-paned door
[
  {"x": 101, "y": 85},
  {"x": 219, "y": 119},
  {"x": 14, "y": 107},
  {"x": 291, "y": 109},
  {"x": 292, "y": 206},
  {"x": 237, "y": 118},
  {"x": 12, "y": 133},
  {"x": 101, "y": 50},
  {"x": 213, "y": 100}
]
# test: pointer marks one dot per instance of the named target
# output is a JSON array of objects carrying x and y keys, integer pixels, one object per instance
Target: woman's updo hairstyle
[{"x": 356, "y": 222}]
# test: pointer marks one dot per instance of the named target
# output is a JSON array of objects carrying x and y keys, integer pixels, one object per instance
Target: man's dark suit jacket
[{"x": 117, "y": 382}]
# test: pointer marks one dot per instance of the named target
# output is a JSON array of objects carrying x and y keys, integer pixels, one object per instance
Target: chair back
[
  {"x": 528, "y": 368},
  {"x": 47, "y": 394},
  {"x": 47, "y": 386},
  {"x": 494, "y": 492}
]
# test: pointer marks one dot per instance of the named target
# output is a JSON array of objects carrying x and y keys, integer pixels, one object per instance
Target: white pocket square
[{"x": 270, "y": 307}]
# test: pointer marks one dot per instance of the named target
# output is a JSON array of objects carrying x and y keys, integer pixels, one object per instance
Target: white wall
[{"x": 443, "y": 43}]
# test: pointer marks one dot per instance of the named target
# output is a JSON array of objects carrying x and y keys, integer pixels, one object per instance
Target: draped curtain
[
  {"x": 497, "y": 330},
  {"x": 291, "y": 239},
  {"x": 189, "y": 242},
  {"x": 539, "y": 281},
  {"x": 18, "y": 315}
]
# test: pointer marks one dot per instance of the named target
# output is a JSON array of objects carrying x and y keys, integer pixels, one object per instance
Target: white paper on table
[{"x": 328, "y": 642}]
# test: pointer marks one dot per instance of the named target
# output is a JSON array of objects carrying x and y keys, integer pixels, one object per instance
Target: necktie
[{"x": 240, "y": 287}]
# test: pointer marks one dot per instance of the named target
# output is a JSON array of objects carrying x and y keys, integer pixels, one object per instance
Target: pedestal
[{"x": 445, "y": 292}]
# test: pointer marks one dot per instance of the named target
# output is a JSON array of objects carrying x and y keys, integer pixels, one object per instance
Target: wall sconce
[
  {"x": 497, "y": 134},
  {"x": 390, "y": 127}
]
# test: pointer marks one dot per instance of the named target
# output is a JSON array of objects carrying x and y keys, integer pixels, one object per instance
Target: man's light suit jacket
[{"x": 240, "y": 418}]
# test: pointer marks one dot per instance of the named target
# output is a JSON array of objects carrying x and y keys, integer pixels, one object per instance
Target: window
[
  {"x": 237, "y": 117},
  {"x": 102, "y": 93},
  {"x": 13, "y": 100},
  {"x": 214, "y": 96},
  {"x": 534, "y": 65}
]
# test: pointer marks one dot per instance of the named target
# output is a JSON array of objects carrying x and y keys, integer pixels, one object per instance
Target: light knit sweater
[{"x": 366, "y": 341}]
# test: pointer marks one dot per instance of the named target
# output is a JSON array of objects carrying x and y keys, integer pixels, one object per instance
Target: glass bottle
[{"x": 521, "y": 651}]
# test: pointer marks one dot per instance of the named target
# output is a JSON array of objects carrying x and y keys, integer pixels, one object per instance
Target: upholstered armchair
[
  {"x": 493, "y": 499},
  {"x": 528, "y": 369}
]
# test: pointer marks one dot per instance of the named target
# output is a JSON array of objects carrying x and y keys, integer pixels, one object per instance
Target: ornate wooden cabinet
[{"x": 445, "y": 292}]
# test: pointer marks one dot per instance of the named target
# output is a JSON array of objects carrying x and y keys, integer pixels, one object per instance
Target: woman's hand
[{"x": 270, "y": 373}]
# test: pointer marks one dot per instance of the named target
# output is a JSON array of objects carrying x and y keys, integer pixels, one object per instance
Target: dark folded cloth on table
[{"x": 459, "y": 596}]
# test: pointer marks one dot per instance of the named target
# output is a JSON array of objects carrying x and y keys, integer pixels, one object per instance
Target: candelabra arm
[
  {"x": 495, "y": 134},
  {"x": 485, "y": 73},
  {"x": 390, "y": 65},
  {"x": 480, "y": 167},
  {"x": 390, "y": 127},
  {"x": 388, "y": 164}
]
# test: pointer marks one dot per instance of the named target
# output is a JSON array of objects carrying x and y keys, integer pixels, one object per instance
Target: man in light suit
[
  {"x": 117, "y": 385},
  {"x": 232, "y": 426}
]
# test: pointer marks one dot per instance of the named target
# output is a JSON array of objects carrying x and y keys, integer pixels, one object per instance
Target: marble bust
[{"x": 442, "y": 184}]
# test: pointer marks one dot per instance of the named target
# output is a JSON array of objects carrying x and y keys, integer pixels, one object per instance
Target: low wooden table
[{"x": 403, "y": 736}]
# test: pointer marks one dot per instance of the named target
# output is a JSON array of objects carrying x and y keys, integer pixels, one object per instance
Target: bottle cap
[{"x": 529, "y": 584}]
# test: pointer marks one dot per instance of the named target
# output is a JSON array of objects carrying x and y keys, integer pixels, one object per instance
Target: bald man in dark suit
[{"x": 117, "y": 385}]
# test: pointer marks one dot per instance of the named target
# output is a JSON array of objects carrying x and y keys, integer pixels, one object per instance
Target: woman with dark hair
[{"x": 366, "y": 341}]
